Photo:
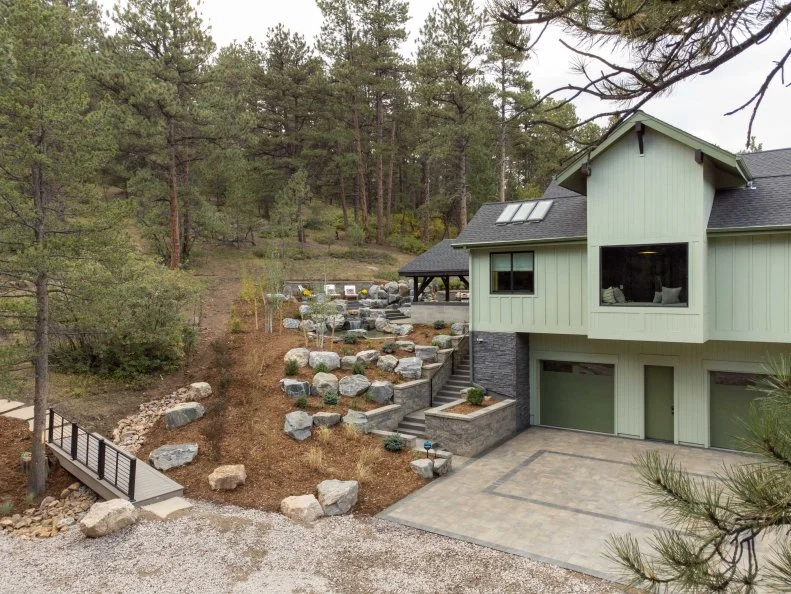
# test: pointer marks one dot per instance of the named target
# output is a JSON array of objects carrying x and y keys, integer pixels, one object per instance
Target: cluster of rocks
[
  {"x": 441, "y": 464},
  {"x": 335, "y": 498},
  {"x": 407, "y": 368},
  {"x": 52, "y": 515},
  {"x": 130, "y": 432}
]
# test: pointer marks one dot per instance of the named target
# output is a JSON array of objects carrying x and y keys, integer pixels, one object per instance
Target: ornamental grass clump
[
  {"x": 358, "y": 368},
  {"x": 301, "y": 402}
]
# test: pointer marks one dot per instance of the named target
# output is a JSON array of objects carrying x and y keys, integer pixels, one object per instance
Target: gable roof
[
  {"x": 573, "y": 178},
  {"x": 440, "y": 260},
  {"x": 567, "y": 220},
  {"x": 767, "y": 205}
]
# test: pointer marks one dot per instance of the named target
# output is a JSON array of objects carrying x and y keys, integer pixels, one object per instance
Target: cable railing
[{"x": 101, "y": 457}]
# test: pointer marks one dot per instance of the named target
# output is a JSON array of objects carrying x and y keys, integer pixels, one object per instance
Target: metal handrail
[{"x": 121, "y": 466}]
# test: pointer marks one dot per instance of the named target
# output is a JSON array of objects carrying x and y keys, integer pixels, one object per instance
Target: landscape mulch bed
[
  {"x": 247, "y": 428},
  {"x": 15, "y": 438},
  {"x": 465, "y": 408}
]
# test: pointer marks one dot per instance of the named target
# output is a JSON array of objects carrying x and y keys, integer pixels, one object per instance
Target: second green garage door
[
  {"x": 578, "y": 395},
  {"x": 730, "y": 397}
]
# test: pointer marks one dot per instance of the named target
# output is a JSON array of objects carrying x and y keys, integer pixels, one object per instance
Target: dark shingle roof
[
  {"x": 767, "y": 205},
  {"x": 566, "y": 219},
  {"x": 442, "y": 259}
]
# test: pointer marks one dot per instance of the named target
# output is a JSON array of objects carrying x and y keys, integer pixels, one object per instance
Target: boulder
[
  {"x": 337, "y": 497},
  {"x": 300, "y": 355},
  {"x": 403, "y": 289},
  {"x": 302, "y": 508},
  {"x": 228, "y": 477},
  {"x": 380, "y": 392},
  {"x": 326, "y": 419},
  {"x": 307, "y": 326},
  {"x": 423, "y": 467},
  {"x": 200, "y": 390},
  {"x": 295, "y": 388},
  {"x": 353, "y": 385},
  {"x": 337, "y": 322},
  {"x": 380, "y": 303},
  {"x": 304, "y": 309},
  {"x": 330, "y": 359},
  {"x": 405, "y": 345},
  {"x": 373, "y": 291},
  {"x": 348, "y": 362},
  {"x": 410, "y": 368},
  {"x": 173, "y": 455},
  {"x": 184, "y": 413},
  {"x": 442, "y": 341},
  {"x": 391, "y": 287},
  {"x": 393, "y": 298},
  {"x": 106, "y": 517},
  {"x": 387, "y": 362},
  {"x": 368, "y": 357},
  {"x": 442, "y": 466},
  {"x": 291, "y": 324},
  {"x": 458, "y": 329},
  {"x": 382, "y": 323},
  {"x": 298, "y": 424},
  {"x": 427, "y": 353},
  {"x": 358, "y": 332},
  {"x": 400, "y": 329},
  {"x": 324, "y": 382},
  {"x": 358, "y": 419},
  {"x": 364, "y": 312}
]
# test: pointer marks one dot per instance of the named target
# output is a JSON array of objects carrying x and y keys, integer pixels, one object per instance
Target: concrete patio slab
[
  {"x": 25, "y": 413},
  {"x": 164, "y": 509},
  {"x": 7, "y": 405},
  {"x": 551, "y": 495}
]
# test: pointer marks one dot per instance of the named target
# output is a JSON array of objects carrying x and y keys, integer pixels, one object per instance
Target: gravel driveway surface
[{"x": 227, "y": 549}]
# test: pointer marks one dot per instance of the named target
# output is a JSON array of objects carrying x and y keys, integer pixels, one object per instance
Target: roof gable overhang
[{"x": 734, "y": 171}]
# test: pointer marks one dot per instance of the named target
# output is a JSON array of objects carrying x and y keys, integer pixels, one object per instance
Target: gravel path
[{"x": 226, "y": 549}]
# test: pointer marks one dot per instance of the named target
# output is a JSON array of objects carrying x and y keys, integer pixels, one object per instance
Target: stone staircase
[
  {"x": 415, "y": 423},
  {"x": 395, "y": 316}
]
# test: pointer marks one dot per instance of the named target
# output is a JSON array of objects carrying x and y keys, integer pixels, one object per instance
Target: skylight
[
  {"x": 540, "y": 211},
  {"x": 507, "y": 214},
  {"x": 523, "y": 212}
]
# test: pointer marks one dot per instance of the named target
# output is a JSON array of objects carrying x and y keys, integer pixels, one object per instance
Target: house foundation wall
[{"x": 450, "y": 312}]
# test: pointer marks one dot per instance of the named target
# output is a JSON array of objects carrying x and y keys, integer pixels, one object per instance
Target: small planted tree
[{"x": 715, "y": 524}]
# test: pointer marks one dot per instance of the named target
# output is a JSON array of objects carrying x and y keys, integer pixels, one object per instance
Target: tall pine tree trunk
[
  {"x": 502, "y": 134},
  {"x": 380, "y": 194},
  {"x": 389, "y": 212},
  {"x": 185, "y": 199},
  {"x": 426, "y": 195},
  {"x": 37, "y": 479},
  {"x": 462, "y": 182},
  {"x": 175, "y": 223},
  {"x": 358, "y": 143},
  {"x": 343, "y": 200}
]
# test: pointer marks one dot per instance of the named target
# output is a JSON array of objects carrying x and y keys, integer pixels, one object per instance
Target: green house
[{"x": 640, "y": 296}]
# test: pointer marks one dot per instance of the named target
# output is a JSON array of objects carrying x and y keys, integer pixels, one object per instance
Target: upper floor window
[
  {"x": 645, "y": 275},
  {"x": 512, "y": 272}
]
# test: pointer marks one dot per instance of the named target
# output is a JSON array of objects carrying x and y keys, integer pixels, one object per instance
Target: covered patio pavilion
[{"x": 441, "y": 261}]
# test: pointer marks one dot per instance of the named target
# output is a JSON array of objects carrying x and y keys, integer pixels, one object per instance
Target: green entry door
[
  {"x": 578, "y": 396},
  {"x": 659, "y": 406},
  {"x": 730, "y": 397}
]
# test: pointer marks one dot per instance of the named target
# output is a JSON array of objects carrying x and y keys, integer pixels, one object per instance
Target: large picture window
[
  {"x": 512, "y": 272},
  {"x": 645, "y": 275}
]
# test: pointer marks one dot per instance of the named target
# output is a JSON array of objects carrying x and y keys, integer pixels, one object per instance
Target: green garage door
[
  {"x": 729, "y": 407},
  {"x": 578, "y": 396}
]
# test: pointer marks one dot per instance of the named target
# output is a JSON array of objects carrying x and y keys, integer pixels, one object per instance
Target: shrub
[
  {"x": 363, "y": 472},
  {"x": 259, "y": 252},
  {"x": 321, "y": 368},
  {"x": 440, "y": 324},
  {"x": 6, "y": 508},
  {"x": 292, "y": 367},
  {"x": 350, "y": 339},
  {"x": 331, "y": 398},
  {"x": 356, "y": 235},
  {"x": 301, "y": 402},
  {"x": 475, "y": 396},
  {"x": 394, "y": 442},
  {"x": 389, "y": 348},
  {"x": 358, "y": 369},
  {"x": 407, "y": 243},
  {"x": 234, "y": 324}
]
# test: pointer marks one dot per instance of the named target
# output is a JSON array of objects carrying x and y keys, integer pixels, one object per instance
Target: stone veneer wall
[
  {"x": 412, "y": 395},
  {"x": 385, "y": 417},
  {"x": 469, "y": 435},
  {"x": 501, "y": 364},
  {"x": 427, "y": 313}
]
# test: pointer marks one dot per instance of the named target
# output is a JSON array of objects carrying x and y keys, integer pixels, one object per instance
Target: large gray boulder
[
  {"x": 387, "y": 363},
  {"x": 335, "y": 322},
  {"x": 173, "y": 455},
  {"x": 295, "y": 388},
  {"x": 326, "y": 419},
  {"x": 442, "y": 341},
  {"x": 304, "y": 309},
  {"x": 348, "y": 362},
  {"x": 410, "y": 368},
  {"x": 353, "y": 385},
  {"x": 400, "y": 329},
  {"x": 368, "y": 357},
  {"x": 380, "y": 392},
  {"x": 330, "y": 359},
  {"x": 290, "y": 324},
  {"x": 183, "y": 413},
  {"x": 358, "y": 419},
  {"x": 337, "y": 497},
  {"x": 382, "y": 323},
  {"x": 307, "y": 326},
  {"x": 424, "y": 467},
  {"x": 106, "y": 517},
  {"x": 405, "y": 345},
  {"x": 200, "y": 390},
  {"x": 391, "y": 287},
  {"x": 302, "y": 508},
  {"x": 298, "y": 424},
  {"x": 403, "y": 289},
  {"x": 300, "y": 355},
  {"x": 324, "y": 382},
  {"x": 373, "y": 291},
  {"x": 458, "y": 329},
  {"x": 228, "y": 477},
  {"x": 428, "y": 354},
  {"x": 443, "y": 466}
]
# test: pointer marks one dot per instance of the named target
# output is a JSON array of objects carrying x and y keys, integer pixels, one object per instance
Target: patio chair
[{"x": 350, "y": 292}]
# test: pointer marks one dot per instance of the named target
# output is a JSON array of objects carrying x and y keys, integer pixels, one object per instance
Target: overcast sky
[{"x": 697, "y": 106}]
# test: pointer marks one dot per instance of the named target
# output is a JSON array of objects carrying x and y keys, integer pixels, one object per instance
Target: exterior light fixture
[{"x": 647, "y": 252}]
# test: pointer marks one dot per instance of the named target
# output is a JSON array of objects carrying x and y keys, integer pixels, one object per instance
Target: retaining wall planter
[{"x": 469, "y": 435}]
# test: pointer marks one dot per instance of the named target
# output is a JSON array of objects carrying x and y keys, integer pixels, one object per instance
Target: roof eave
[
  {"x": 746, "y": 230},
  {"x": 506, "y": 243}
]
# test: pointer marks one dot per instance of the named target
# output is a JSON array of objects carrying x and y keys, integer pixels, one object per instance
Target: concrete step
[
  {"x": 443, "y": 400},
  {"x": 418, "y": 416},
  {"x": 411, "y": 425},
  {"x": 455, "y": 385}
]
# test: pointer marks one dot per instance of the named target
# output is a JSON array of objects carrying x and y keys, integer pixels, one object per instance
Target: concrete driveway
[{"x": 549, "y": 495}]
